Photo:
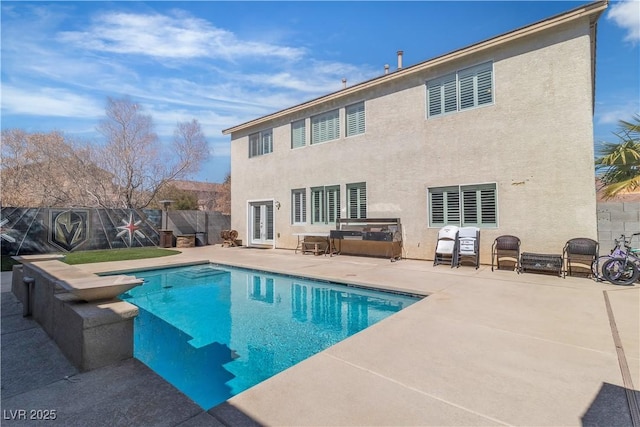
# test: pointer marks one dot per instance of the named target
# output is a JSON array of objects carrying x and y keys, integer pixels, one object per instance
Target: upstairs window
[
  {"x": 325, "y": 127},
  {"x": 357, "y": 200},
  {"x": 355, "y": 119},
  {"x": 442, "y": 95},
  {"x": 298, "y": 134},
  {"x": 260, "y": 143},
  {"x": 465, "y": 205},
  {"x": 468, "y": 88},
  {"x": 476, "y": 86}
]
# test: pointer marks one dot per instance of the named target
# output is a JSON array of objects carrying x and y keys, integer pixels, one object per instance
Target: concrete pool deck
[{"x": 485, "y": 348}]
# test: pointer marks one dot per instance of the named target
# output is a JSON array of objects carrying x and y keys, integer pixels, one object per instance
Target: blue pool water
[{"x": 214, "y": 331}]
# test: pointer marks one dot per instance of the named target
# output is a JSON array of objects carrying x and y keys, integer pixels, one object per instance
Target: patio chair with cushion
[
  {"x": 578, "y": 255},
  {"x": 505, "y": 253}
]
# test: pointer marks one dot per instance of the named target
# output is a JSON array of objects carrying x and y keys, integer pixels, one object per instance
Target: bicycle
[
  {"x": 618, "y": 251},
  {"x": 622, "y": 266}
]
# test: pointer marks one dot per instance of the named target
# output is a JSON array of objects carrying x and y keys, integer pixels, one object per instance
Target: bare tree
[
  {"x": 223, "y": 198},
  {"x": 44, "y": 169},
  {"x": 138, "y": 163},
  {"x": 48, "y": 169}
]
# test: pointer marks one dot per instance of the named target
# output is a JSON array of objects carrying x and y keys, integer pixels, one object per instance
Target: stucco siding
[{"x": 535, "y": 142}]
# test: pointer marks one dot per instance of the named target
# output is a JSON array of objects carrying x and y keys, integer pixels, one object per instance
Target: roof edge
[{"x": 593, "y": 9}]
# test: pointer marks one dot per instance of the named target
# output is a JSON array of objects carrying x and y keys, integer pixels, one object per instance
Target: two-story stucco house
[{"x": 497, "y": 135}]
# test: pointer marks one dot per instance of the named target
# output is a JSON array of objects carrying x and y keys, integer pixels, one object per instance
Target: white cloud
[
  {"x": 162, "y": 36},
  {"x": 46, "y": 101},
  {"x": 318, "y": 78},
  {"x": 165, "y": 120},
  {"x": 221, "y": 148},
  {"x": 614, "y": 115},
  {"x": 69, "y": 75},
  {"x": 626, "y": 14}
]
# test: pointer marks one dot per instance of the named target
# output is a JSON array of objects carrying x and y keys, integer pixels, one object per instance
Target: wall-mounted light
[{"x": 277, "y": 205}]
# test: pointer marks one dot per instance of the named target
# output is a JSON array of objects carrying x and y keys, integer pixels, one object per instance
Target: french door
[{"x": 261, "y": 222}]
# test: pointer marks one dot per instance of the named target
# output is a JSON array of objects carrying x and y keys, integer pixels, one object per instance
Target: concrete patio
[{"x": 485, "y": 348}]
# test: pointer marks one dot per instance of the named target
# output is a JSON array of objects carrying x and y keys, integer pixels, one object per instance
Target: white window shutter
[
  {"x": 254, "y": 144},
  {"x": 485, "y": 86},
  {"x": 453, "y": 206},
  {"x": 357, "y": 200},
  {"x": 470, "y": 207},
  {"x": 450, "y": 94},
  {"x": 333, "y": 203},
  {"x": 489, "y": 206},
  {"x": 436, "y": 205},
  {"x": 325, "y": 127},
  {"x": 467, "y": 99},
  {"x": 267, "y": 142},
  {"x": 298, "y": 136},
  {"x": 434, "y": 98},
  {"x": 465, "y": 89},
  {"x": 270, "y": 221},
  {"x": 317, "y": 205},
  {"x": 355, "y": 119},
  {"x": 298, "y": 206}
]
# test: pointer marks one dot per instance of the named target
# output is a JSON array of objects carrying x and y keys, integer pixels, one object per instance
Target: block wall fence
[
  {"x": 46, "y": 230},
  {"x": 26, "y": 231},
  {"x": 614, "y": 219}
]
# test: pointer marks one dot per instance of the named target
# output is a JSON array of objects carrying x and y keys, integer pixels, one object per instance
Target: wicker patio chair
[
  {"x": 506, "y": 247},
  {"x": 579, "y": 254}
]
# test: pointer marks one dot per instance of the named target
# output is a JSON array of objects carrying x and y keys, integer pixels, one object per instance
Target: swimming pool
[{"x": 213, "y": 331}]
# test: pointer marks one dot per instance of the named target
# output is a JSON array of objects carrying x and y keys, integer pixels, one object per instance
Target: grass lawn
[
  {"x": 7, "y": 263},
  {"x": 87, "y": 257}
]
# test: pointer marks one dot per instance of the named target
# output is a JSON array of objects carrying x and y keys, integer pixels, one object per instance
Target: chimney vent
[
  {"x": 386, "y": 68},
  {"x": 344, "y": 83},
  {"x": 400, "y": 59}
]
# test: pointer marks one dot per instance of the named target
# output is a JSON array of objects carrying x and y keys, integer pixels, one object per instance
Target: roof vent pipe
[
  {"x": 400, "y": 59},
  {"x": 344, "y": 83},
  {"x": 386, "y": 68}
]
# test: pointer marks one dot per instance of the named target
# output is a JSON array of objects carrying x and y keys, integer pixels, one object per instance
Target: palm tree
[{"x": 620, "y": 162}]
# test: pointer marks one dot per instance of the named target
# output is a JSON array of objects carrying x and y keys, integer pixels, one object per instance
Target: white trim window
[
  {"x": 464, "y": 205},
  {"x": 260, "y": 143},
  {"x": 325, "y": 204},
  {"x": 325, "y": 127},
  {"x": 465, "y": 89},
  {"x": 357, "y": 200},
  {"x": 355, "y": 118},
  {"x": 299, "y": 206},
  {"x": 298, "y": 134}
]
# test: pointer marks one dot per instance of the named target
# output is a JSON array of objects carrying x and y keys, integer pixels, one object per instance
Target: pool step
[{"x": 198, "y": 273}]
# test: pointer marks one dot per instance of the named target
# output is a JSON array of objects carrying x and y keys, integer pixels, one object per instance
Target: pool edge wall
[{"x": 90, "y": 334}]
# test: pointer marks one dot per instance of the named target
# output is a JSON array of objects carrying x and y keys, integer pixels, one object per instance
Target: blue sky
[{"x": 224, "y": 63}]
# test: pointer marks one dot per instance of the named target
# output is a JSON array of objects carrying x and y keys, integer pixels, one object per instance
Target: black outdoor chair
[
  {"x": 579, "y": 254},
  {"x": 506, "y": 247}
]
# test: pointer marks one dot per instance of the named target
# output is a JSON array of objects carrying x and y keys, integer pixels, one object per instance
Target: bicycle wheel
[
  {"x": 596, "y": 268},
  {"x": 620, "y": 271}
]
